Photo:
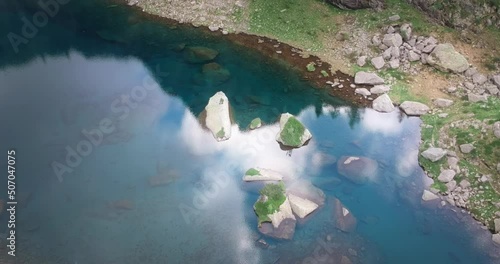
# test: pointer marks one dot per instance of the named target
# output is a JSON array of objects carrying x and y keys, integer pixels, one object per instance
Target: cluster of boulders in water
[{"x": 298, "y": 201}]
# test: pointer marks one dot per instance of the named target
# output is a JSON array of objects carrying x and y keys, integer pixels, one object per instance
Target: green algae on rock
[
  {"x": 272, "y": 196},
  {"x": 292, "y": 132}
]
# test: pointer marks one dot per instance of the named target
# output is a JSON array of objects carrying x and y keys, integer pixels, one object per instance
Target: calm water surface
[{"x": 97, "y": 66}]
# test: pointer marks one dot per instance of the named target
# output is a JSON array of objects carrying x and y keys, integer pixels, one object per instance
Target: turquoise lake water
[{"x": 97, "y": 66}]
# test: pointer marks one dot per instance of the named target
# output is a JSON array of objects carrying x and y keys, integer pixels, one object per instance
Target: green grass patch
[
  {"x": 433, "y": 169},
  {"x": 484, "y": 110},
  {"x": 439, "y": 186},
  {"x": 324, "y": 73},
  {"x": 292, "y": 132},
  {"x": 298, "y": 22},
  {"x": 274, "y": 196},
  {"x": 408, "y": 13},
  {"x": 252, "y": 172}
]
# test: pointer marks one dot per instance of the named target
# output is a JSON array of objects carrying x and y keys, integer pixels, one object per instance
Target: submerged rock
[
  {"x": 300, "y": 206},
  {"x": 121, "y": 205},
  {"x": 292, "y": 132},
  {"x": 344, "y": 219},
  {"x": 163, "y": 179},
  {"x": 285, "y": 230},
  {"x": 414, "y": 108},
  {"x": 214, "y": 73},
  {"x": 256, "y": 123},
  {"x": 357, "y": 169},
  {"x": 428, "y": 196},
  {"x": 260, "y": 174},
  {"x": 217, "y": 118},
  {"x": 199, "y": 54},
  {"x": 446, "y": 58}
]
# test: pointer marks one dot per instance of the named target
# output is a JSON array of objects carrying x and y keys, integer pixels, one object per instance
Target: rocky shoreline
[{"x": 397, "y": 48}]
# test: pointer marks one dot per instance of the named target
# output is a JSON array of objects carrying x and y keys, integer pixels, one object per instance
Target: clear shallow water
[{"x": 68, "y": 79}]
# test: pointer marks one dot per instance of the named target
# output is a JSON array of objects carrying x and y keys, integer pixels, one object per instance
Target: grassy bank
[{"x": 468, "y": 123}]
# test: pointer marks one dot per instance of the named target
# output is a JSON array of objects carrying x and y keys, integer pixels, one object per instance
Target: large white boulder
[
  {"x": 284, "y": 212},
  {"x": 300, "y": 206},
  {"x": 217, "y": 119}
]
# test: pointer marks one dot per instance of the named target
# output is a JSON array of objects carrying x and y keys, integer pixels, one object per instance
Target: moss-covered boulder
[
  {"x": 256, "y": 123},
  {"x": 292, "y": 132},
  {"x": 273, "y": 207},
  {"x": 199, "y": 54}
]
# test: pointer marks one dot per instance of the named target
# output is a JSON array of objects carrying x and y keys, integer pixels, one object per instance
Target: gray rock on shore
[
  {"x": 443, "y": 103},
  {"x": 479, "y": 78},
  {"x": 434, "y": 154},
  {"x": 446, "y": 58},
  {"x": 496, "y": 129},
  {"x": 496, "y": 80},
  {"x": 380, "y": 89},
  {"x": 477, "y": 97},
  {"x": 361, "y": 61},
  {"x": 383, "y": 104},
  {"x": 362, "y": 91},
  {"x": 378, "y": 62},
  {"x": 414, "y": 108},
  {"x": 393, "y": 39},
  {"x": 367, "y": 78},
  {"x": 446, "y": 176},
  {"x": 466, "y": 148}
]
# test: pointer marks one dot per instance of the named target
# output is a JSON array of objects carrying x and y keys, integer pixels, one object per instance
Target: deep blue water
[{"x": 68, "y": 81}]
